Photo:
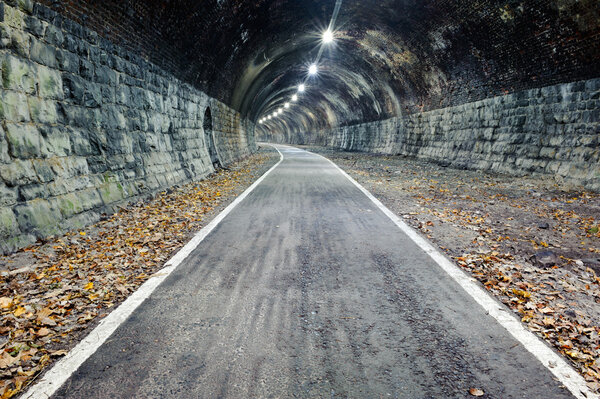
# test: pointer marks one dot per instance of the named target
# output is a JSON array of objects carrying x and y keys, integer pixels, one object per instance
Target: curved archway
[{"x": 209, "y": 139}]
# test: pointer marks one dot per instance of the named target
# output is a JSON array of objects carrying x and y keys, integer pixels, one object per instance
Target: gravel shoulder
[
  {"x": 532, "y": 243},
  {"x": 53, "y": 293}
]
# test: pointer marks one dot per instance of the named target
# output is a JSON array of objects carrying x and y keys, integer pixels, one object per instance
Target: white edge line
[
  {"x": 63, "y": 369},
  {"x": 562, "y": 370}
]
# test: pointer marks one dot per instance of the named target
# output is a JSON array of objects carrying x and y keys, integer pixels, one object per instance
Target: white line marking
[
  {"x": 562, "y": 370},
  {"x": 63, "y": 369}
]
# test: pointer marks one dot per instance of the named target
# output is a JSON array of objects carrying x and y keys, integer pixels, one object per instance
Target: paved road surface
[{"x": 307, "y": 290}]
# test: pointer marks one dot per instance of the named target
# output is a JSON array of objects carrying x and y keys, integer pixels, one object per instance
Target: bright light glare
[
  {"x": 295, "y": 97},
  {"x": 286, "y": 105},
  {"x": 312, "y": 70},
  {"x": 328, "y": 36},
  {"x": 301, "y": 87}
]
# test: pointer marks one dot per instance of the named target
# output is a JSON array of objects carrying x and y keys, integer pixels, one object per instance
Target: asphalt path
[{"x": 306, "y": 289}]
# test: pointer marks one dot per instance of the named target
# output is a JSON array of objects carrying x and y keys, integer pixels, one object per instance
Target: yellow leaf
[
  {"x": 521, "y": 293},
  {"x": 89, "y": 286},
  {"x": 82, "y": 233},
  {"x": 19, "y": 311}
]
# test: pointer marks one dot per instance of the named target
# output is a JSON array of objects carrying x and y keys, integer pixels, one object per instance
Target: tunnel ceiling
[{"x": 390, "y": 57}]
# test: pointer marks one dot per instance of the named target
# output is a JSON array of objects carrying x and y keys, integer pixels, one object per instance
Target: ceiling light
[
  {"x": 312, "y": 69},
  {"x": 286, "y": 105},
  {"x": 301, "y": 87},
  {"x": 295, "y": 97},
  {"x": 327, "y": 36}
]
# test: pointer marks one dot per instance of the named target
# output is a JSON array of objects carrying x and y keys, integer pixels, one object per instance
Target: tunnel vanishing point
[{"x": 108, "y": 101}]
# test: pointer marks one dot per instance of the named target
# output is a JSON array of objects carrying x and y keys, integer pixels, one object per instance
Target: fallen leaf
[
  {"x": 19, "y": 311},
  {"x": 476, "y": 392},
  {"x": 58, "y": 353},
  {"x": 6, "y": 302},
  {"x": 42, "y": 332}
]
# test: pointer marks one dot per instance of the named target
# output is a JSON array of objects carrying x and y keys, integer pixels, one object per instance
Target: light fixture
[
  {"x": 295, "y": 97},
  {"x": 312, "y": 69},
  {"x": 301, "y": 87},
  {"x": 286, "y": 105},
  {"x": 327, "y": 36}
]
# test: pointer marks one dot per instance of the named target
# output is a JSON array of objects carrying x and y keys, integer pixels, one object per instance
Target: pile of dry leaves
[
  {"x": 532, "y": 243},
  {"x": 51, "y": 292}
]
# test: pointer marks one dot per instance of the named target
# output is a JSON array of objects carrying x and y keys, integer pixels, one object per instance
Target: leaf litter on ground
[{"x": 51, "y": 293}]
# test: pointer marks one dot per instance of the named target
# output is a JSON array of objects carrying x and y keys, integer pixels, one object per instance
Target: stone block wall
[
  {"x": 86, "y": 125},
  {"x": 553, "y": 130}
]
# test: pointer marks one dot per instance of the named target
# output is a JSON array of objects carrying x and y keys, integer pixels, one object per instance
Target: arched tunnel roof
[{"x": 390, "y": 57}]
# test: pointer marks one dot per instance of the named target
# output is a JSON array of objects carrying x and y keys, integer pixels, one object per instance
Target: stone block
[
  {"x": 8, "y": 224},
  {"x": 80, "y": 143},
  {"x": 66, "y": 167},
  {"x": 74, "y": 88},
  {"x": 75, "y": 116},
  {"x": 17, "y": 75},
  {"x": 86, "y": 70},
  {"x": 32, "y": 191},
  {"x": 14, "y": 107},
  {"x": 43, "y": 53},
  {"x": 24, "y": 141},
  {"x": 38, "y": 217},
  {"x": 123, "y": 95},
  {"x": 50, "y": 83},
  {"x": 8, "y": 195},
  {"x": 105, "y": 75},
  {"x": 35, "y": 26},
  {"x": 69, "y": 204},
  {"x": 14, "y": 17},
  {"x": 43, "y": 170},
  {"x": 92, "y": 97},
  {"x": 108, "y": 94},
  {"x": 90, "y": 198},
  {"x": 113, "y": 119},
  {"x": 18, "y": 172},
  {"x": 18, "y": 41},
  {"x": 112, "y": 192},
  {"x": 5, "y": 34},
  {"x": 25, "y": 6},
  {"x": 57, "y": 142},
  {"x": 67, "y": 61},
  {"x": 81, "y": 220},
  {"x": 54, "y": 36},
  {"x": 68, "y": 185},
  {"x": 42, "y": 111}
]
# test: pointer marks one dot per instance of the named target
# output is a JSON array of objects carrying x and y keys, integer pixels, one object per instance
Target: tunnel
[
  {"x": 107, "y": 106},
  {"x": 499, "y": 86}
]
